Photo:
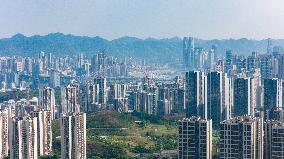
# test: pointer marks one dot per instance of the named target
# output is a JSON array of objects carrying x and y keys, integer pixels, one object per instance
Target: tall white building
[
  {"x": 120, "y": 105},
  {"x": 117, "y": 91},
  {"x": 23, "y": 138},
  {"x": 89, "y": 97},
  {"x": 255, "y": 85},
  {"x": 73, "y": 136},
  {"x": 102, "y": 89},
  {"x": 4, "y": 141},
  {"x": 44, "y": 132},
  {"x": 70, "y": 98},
  {"x": 195, "y": 138},
  {"x": 47, "y": 100}
]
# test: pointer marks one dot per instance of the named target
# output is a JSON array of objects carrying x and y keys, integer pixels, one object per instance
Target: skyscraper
[
  {"x": 195, "y": 138},
  {"x": 54, "y": 78},
  {"x": 80, "y": 60},
  {"x": 148, "y": 102},
  {"x": 188, "y": 52},
  {"x": 265, "y": 66},
  {"x": 269, "y": 44},
  {"x": 163, "y": 107},
  {"x": 242, "y": 96},
  {"x": 229, "y": 61},
  {"x": 120, "y": 105},
  {"x": 211, "y": 58},
  {"x": 116, "y": 91},
  {"x": 216, "y": 97},
  {"x": 101, "y": 81},
  {"x": 89, "y": 96},
  {"x": 70, "y": 98},
  {"x": 73, "y": 135},
  {"x": 252, "y": 62},
  {"x": 241, "y": 138},
  {"x": 47, "y": 100},
  {"x": 274, "y": 139},
  {"x": 281, "y": 66},
  {"x": 272, "y": 96},
  {"x": 196, "y": 96},
  {"x": 44, "y": 132},
  {"x": 255, "y": 90},
  {"x": 4, "y": 141},
  {"x": 23, "y": 138},
  {"x": 179, "y": 100}
]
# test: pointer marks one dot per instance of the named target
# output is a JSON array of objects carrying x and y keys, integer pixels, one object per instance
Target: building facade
[
  {"x": 241, "y": 138},
  {"x": 195, "y": 138},
  {"x": 73, "y": 136}
]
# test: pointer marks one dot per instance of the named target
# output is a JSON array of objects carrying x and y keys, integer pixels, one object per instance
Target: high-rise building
[
  {"x": 80, "y": 60},
  {"x": 148, "y": 102},
  {"x": 23, "y": 138},
  {"x": 268, "y": 48},
  {"x": 49, "y": 60},
  {"x": 211, "y": 58},
  {"x": 87, "y": 68},
  {"x": 241, "y": 138},
  {"x": 120, "y": 105},
  {"x": 54, "y": 79},
  {"x": 134, "y": 101},
  {"x": 89, "y": 97},
  {"x": 47, "y": 100},
  {"x": 73, "y": 135},
  {"x": 195, "y": 138},
  {"x": 252, "y": 62},
  {"x": 70, "y": 98},
  {"x": 201, "y": 58},
  {"x": 241, "y": 63},
  {"x": 229, "y": 97},
  {"x": 216, "y": 97},
  {"x": 28, "y": 65},
  {"x": 274, "y": 139},
  {"x": 281, "y": 66},
  {"x": 274, "y": 68},
  {"x": 4, "y": 140},
  {"x": 44, "y": 132},
  {"x": 188, "y": 52},
  {"x": 242, "y": 96},
  {"x": 178, "y": 100},
  {"x": 265, "y": 66},
  {"x": 163, "y": 107},
  {"x": 255, "y": 91},
  {"x": 272, "y": 96},
  {"x": 229, "y": 61},
  {"x": 117, "y": 91},
  {"x": 102, "y": 89},
  {"x": 196, "y": 93}
]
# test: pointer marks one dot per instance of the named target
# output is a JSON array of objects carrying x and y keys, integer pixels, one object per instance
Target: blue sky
[{"x": 254, "y": 19}]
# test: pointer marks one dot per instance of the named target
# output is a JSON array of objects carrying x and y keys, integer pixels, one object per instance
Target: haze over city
[
  {"x": 253, "y": 19},
  {"x": 159, "y": 79}
]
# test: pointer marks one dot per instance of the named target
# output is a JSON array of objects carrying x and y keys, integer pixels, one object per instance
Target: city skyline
[
  {"x": 88, "y": 80},
  {"x": 114, "y": 19}
]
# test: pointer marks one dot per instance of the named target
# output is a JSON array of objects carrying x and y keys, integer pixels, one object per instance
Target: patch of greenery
[{"x": 125, "y": 135}]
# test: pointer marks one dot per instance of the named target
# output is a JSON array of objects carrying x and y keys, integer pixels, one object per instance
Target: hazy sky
[{"x": 111, "y": 19}]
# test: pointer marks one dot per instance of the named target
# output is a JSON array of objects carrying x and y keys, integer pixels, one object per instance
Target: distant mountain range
[{"x": 163, "y": 49}]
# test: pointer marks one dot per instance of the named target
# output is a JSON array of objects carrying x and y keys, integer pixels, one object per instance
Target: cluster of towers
[{"x": 240, "y": 98}]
